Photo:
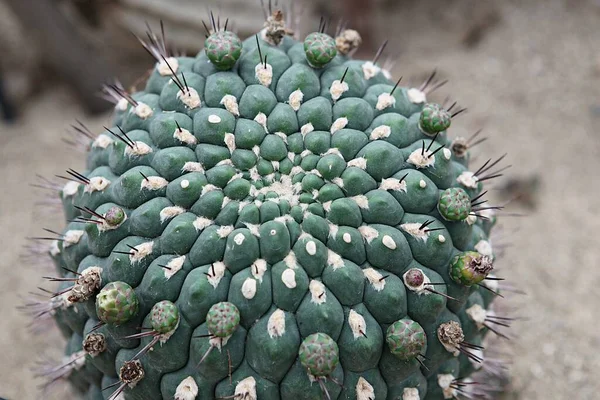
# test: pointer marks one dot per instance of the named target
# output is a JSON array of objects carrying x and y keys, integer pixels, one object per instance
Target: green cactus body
[{"x": 298, "y": 230}]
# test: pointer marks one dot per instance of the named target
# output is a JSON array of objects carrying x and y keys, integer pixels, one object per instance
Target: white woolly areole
[
  {"x": 484, "y": 248},
  {"x": 70, "y": 189},
  {"x": 72, "y": 237},
  {"x": 216, "y": 273},
  {"x": 290, "y": 260},
  {"x": 346, "y": 237},
  {"x": 187, "y": 389},
  {"x": 54, "y": 249},
  {"x": 385, "y": 100},
  {"x": 338, "y": 124},
  {"x": 368, "y": 233},
  {"x": 153, "y": 183},
  {"x": 209, "y": 188},
  {"x": 138, "y": 149},
  {"x": 284, "y": 189},
  {"x": 96, "y": 184},
  {"x": 121, "y": 105},
  {"x": 393, "y": 184},
  {"x": 471, "y": 219},
  {"x": 246, "y": 389},
  {"x": 276, "y": 324},
  {"x": 364, "y": 390},
  {"x": 288, "y": 277},
  {"x": 141, "y": 251},
  {"x": 189, "y": 97},
  {"x": 102, "y": 141},
  {"x": 422, "y": 288},
  {"x": 491, "y": 283},
  {"x": 416, "y": 96},
  {"x": 235, "y": 177},
  {"x": 468, "y": 179},
  {"x": 163, "y": 68},
  {"x": 414, "y": 229},
  {"x": 306, "y": 129},
  {"x": 441, "y": 238},
  {"x": 422, "y": 184},
  {"x": 249, "y": 288},
  {"x": 359, "y": 162},
  {"x": 478, "y": 314},
  {"x": 258, "y": 268},
  {"x": 410, "y": 394},
  {"x": 201, "y": 223},
  {"x": 337, "y": 89},
  {"x": 335, "y": 260},
  {"x": 231, "y": 104},
  {"x": 361, "y": 201},
  {"x": 421, "y": 159},
  {"x": 447, "y": 153},
  {"x": 444, "y": 381},
  {"x": 143, "y": 110},
  {"x": 375, "y": 279},
  {"x": 224, "y": 231},
  {"x": 192, "y": 166},
  {"x": 219, "y": 342},
  {"x": 381, "y": 132},
  {"x": 316, "y": 172},
  {"x": 264, "y": 73},
  {"x": 357, "y": 324},
  {"x": 283, "y": 137},
  {"x": 489, "y": 213},
  {"x": 478, "y": 353},
  {"x": 333, "y": 151},
  {"x": 185, "y": 136},
  {"x": 227, "y": 200},
  {"x": 214, "y": 119},
  {"x": 173, "y": 266},
  {"x": 311, "y": 247},
  {"x": 253, "y": 228},
  {"x": 170, "y": 212},
  {"x": 261, "y": 118},
  {"x": 295, "y": 99},
  {"x": 388, "y": 242},
  {"x": 184, "y": 184},
  {"x": 370, "y": 70},
  {"x": 317, "y": 292}
]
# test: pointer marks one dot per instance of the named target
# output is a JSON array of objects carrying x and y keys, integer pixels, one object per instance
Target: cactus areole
[{"x": 272, "y": 219}]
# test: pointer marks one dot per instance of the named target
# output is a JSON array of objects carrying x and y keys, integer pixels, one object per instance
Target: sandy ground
[{"x": 533, "y": 82}]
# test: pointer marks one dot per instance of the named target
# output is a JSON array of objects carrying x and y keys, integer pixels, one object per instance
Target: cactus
[{"x": 273, "y": 219}]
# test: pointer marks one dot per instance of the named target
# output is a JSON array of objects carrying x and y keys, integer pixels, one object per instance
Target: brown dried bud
[
  {"x": 131, "y": 372},
  {"x": 450, "y": 334},
  {"x": 348, "y": 41},
  {"x": 86, "y": 286},
  {"x": 94, "y": 344},
  {"x": 275, "y": 28}
]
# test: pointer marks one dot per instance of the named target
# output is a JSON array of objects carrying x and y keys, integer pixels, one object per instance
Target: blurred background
[{"x": 528, "y": 71}]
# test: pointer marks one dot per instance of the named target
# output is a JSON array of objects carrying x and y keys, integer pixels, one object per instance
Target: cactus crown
[{"x": 270, "y": 214}]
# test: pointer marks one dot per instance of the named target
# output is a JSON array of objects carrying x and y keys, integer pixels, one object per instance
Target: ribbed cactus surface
[{"x": 274, "y": 220}]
